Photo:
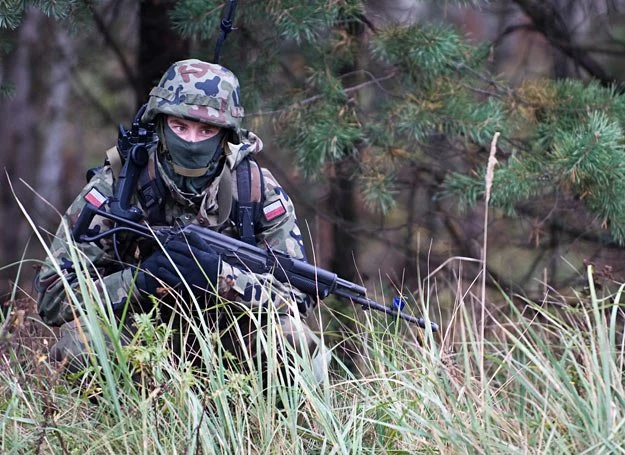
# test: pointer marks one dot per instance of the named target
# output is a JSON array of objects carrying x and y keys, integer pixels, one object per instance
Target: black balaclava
[{"x": 191, "y": 165}]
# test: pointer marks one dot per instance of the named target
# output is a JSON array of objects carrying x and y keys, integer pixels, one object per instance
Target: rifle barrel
[{"x": 367, "y": 303}]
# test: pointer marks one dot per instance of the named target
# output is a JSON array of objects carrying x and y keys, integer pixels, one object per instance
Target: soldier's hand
[
  {"x": 156, "y": 267},
  {"x": 196, "y": 261}
]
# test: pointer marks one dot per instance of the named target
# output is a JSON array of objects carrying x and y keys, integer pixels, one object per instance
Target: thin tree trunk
[
  {"x": 52, "y": 162},
  {"x": 17, "y": 146},
  {"x": 343, "y": 193},
  {"x": 343, "y": 202},
  {"x": 159, "y": 45},
  {"x": 410, "y": 259}
]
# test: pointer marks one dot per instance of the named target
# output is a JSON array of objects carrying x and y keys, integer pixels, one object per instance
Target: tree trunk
[
  {"x": 50, "y": 176},
  {"x": 17, "y": 146},
  {"x": 343, "y": 206},
  {"x": 159, "y": 45},
  {"x": 343, "y": 189}
]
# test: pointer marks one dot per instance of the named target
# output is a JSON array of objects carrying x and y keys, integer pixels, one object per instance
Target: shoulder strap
[
  {"x": 114, "y": 159},
  {"x": 151, "y": 191},
  {"x": 246, "y": 207},
  {"x": 224, "y": 197},
  {"x": 244, "y": 191}
]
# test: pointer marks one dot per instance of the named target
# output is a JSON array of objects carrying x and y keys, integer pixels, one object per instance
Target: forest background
[{"x": 376, "y": 116}]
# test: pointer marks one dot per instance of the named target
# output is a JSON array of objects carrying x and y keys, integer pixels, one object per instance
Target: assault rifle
[{"x": 313, "y": 281}]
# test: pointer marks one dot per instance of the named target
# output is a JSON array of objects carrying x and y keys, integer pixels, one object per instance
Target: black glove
[
  {"x": 157, "y": 266},
  {"x": 197, "y": 262}
]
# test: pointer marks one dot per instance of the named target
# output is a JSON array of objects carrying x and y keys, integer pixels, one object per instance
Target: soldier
[{"x": 196, "y": 170}]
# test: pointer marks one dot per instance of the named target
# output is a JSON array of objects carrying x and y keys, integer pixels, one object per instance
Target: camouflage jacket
[{"x": 278, "y": 230}]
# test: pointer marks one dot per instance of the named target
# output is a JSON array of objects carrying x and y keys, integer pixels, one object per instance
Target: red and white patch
[
  {"x": 274, "y": 210},
  {"x": 95, "y": 198}
]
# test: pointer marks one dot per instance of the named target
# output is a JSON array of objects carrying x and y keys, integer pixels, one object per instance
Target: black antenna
[{"x": 226, "y": 27}]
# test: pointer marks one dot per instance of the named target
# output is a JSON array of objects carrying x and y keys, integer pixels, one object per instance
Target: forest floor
[{"x": 24, "y": 337}]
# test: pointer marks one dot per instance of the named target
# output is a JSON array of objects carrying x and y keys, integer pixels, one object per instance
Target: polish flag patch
[
  {"x": 274, "y": 210},
  {"x": 95, "y": 198}
]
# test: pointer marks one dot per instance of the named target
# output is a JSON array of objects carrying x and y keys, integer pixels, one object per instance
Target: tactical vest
[{"x": 245, "y": 188}]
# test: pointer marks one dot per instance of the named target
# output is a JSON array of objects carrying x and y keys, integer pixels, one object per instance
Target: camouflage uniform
[{"x": 209, "y": 93}]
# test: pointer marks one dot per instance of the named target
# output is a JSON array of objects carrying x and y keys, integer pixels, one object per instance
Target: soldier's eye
[{"x": 209, "y": 132}]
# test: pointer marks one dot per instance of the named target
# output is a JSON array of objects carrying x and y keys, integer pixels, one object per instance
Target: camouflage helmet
[{"x": 200, "y": 91}]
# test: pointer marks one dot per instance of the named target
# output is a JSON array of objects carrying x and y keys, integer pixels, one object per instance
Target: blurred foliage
[
  {"x": 74, "y": 14},
  {"x": 71, "y": 12},
  {"x": 558, "y": 135}
]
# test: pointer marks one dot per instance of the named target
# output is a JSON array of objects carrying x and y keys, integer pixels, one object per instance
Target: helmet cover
[{"x": 199, "y": 91}]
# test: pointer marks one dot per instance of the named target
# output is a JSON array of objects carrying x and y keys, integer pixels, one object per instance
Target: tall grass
[{"x": 552, "y": 383}]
